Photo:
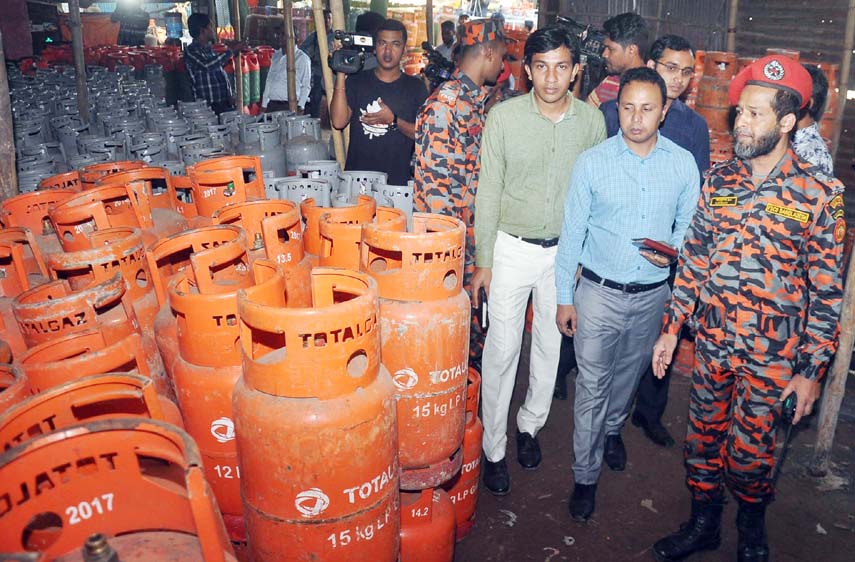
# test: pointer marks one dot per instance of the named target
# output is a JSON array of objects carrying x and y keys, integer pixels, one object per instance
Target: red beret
[{"x": 774, "y": 71}]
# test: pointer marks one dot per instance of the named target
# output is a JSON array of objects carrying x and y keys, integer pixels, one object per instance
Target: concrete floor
[{"x": 811, "y": 520}]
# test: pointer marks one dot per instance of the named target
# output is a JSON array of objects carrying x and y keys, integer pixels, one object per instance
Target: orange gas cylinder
[
  {"x": 424, "y": 320},
  {"x": 30, "y": 210},
  {"x": 209, "y": 362},
  {"x": 14, "y": 387},
  {"x": 185, "y": 204},
  {"x": 88, "y": 353},
  {"x": 249, "y": 165},
  {"x": 52, "y": 310},
  {"x": 156, "y": 184},
  {"x": 275, "y": 231},
  {"x": 214, "y": 189},
  {"x": 108, "y": 206},
  {"x": 340, "y": 240},
  {"x": 91, "y": 174},
  {"x": 427, "y": 526},
  {"x": 21, "y": 267},
  {"x": 68, "y": 180},
  {"x": 362, "y": 212},
  {"x": 314, "y": 401},
  {"x": 166, "y": 259},
  {"x": 463, "y": 488},
  {"x": 117, "y": 250},
  {"x": 81, "y": 401},
  {"x": 118, "y": 477}
]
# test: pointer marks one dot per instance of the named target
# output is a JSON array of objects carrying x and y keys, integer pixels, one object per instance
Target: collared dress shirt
[
  {"x": 682, "y": 124},
  {"x": 526, "y": 161},
  {"x": 206, "y": 72},
  {"x": 276, "y": 87},
  {"x": 617, "y": 196}
]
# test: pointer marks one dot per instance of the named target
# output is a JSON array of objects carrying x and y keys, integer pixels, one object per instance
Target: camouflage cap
[{"x": 475, "y": 32}]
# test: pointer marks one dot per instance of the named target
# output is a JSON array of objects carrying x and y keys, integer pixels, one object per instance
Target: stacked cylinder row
[{"x": 287, "y": 375}]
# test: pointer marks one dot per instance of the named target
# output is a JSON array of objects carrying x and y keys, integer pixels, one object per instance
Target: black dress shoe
[
  {"x": 615, "y": 453},
  {"x": 582, "y": 501},
  {"x": 496, "y": 477},
  {"x": 528, "y": 451},
  {"x": 654, "y": 431}
]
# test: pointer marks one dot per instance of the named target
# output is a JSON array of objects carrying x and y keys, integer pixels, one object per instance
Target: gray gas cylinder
[{"x": 262, "y": 140}]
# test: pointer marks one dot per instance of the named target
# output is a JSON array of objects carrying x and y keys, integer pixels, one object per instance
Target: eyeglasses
[{"x": 672, "y": 68}]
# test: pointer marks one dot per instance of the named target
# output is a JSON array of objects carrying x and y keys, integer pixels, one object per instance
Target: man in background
[
  {"x": 205, "y": 67},
  {"x": 808, "y": 142},
  {"x": 380, "y": 105},
  {"x": 446, "y": 48},
  {"x": 275, "y": 96},
  {"x": 448, "y": 144},
  {"x": 626, "y": 42},
  {"x": 311, "y": 48}
]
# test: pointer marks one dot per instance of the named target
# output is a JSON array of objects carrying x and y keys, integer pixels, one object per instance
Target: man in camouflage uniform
[
  {"x": 448, "y": 141},
  {"x": 762, "y": 261}
]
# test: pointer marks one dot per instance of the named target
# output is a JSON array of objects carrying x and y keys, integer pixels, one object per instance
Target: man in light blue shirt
[{"x": 636, "y": 185}]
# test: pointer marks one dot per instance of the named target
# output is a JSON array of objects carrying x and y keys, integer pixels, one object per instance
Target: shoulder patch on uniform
[
  {"x": 836, "y": 202},
  {"x": 788, "y": 213},
  {"x": 723, "y": 201},
  {"x": 839, "y": 230}
]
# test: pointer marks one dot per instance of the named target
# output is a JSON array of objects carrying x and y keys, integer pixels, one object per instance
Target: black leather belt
[
  {"x": 542, "y": 242},
  {"x": 625, "y": 287}
]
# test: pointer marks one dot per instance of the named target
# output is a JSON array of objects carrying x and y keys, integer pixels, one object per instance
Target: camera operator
[{"x": 380, "y": 105}]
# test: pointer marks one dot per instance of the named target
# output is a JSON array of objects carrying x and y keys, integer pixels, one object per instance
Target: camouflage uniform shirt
[
  {"x": 448, "y": 141},
  {"x": 766, "y": 259}
]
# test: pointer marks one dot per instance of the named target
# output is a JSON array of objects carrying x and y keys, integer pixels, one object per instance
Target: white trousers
[{"x": 519, "y": 269}]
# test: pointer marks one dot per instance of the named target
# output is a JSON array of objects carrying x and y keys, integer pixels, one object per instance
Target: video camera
[
  {"x": 592, "y": 42},
  {"x": 438, "y": 69},
  {"x": 356, "y": 53}
]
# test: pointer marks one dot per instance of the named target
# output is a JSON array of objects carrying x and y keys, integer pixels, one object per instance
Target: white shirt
[
  {"x": 276, "y": 87},
  {"x": 445, "y": 50}
]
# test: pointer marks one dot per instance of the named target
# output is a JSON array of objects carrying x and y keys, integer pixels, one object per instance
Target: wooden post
[
  {"x": 845, "y": 65},
  {"x": 79, "y": 63},
  {"x": 235, "y": 11},
  {"x": 290, "y": 51},
  {"x": 212, "y": 13},
  {"x": 429, "y": 20},
  {"x": 658, "y": 17},
  {"x": 321, "y": 30},
  {"x": 731, "y": 25},
  {"x": 8, "y": 176},
  {"x": 835, "y": 386}
]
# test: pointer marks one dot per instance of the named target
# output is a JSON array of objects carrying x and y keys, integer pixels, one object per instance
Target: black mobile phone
[
  {"x": 788, "y": 411},
  {"x": 481, "y": 310}
]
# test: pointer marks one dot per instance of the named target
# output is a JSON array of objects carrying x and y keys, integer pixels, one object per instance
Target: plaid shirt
[{"x": 206, "y": 72}]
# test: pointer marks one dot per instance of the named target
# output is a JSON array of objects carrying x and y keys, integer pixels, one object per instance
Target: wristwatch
[{"x": 393, "y": 126}]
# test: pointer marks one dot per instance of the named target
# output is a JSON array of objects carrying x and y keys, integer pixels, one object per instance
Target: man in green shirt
[{"x": 530, "y": 144}]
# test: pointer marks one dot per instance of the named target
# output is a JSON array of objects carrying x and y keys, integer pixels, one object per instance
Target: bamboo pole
[
  {"x": 8, "y": 176},
  {"x": 290, "y": 51},
  {"x": 321, "y": 30},
  {"x": 79, "y": 63},
  {"x": 659, "y": 18},
  {"x": 845, "y": 65},
  {"x": 235, "y": 10},
  {"x": 731, "y": 25},
  {"x": 429, "y": 20},
  {"x": 212, "y": 12},
  {"x": 835, "y": 386}
]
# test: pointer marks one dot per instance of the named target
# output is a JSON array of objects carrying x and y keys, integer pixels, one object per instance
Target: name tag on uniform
[
  {"x": 788, "y": 213},
  {"x": 723, "y": 201}
]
